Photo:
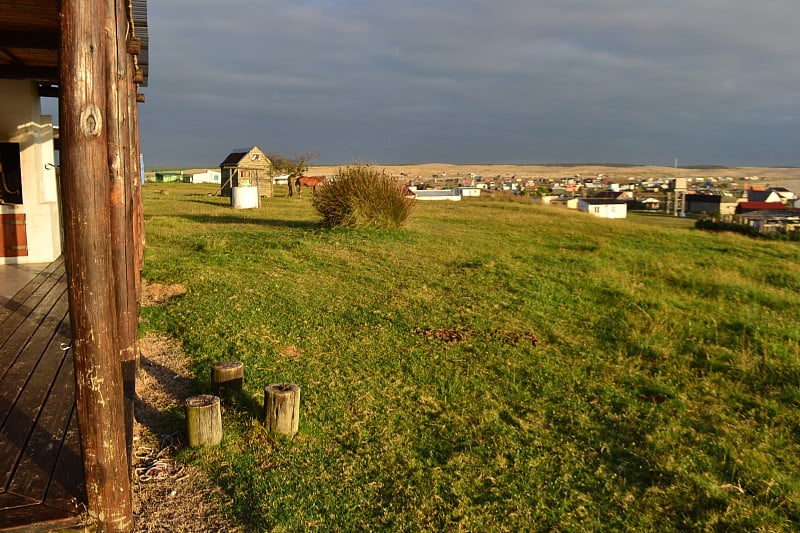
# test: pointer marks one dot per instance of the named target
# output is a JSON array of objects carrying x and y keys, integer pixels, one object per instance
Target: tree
[{"x": 292, "y": 164}]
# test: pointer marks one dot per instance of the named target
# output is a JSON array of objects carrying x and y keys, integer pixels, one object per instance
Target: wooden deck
[{"x": 41, "y": 472}]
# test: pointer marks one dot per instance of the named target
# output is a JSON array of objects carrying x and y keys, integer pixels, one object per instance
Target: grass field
[{"x": 495, "y": 366}]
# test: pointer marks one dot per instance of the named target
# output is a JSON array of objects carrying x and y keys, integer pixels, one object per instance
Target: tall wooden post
[
  {"x": 134, "y": 48},
  {"x": 118, "y": 140},
  {"x": 122, "y": 252},
  {"x": 88, "y": 259}
]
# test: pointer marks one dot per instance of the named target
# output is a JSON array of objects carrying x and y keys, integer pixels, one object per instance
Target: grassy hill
[{"x": 496, "y": 366}]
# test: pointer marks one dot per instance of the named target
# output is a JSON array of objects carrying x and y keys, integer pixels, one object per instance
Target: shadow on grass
[
  {"x": 210, "y": 200},
  {"x": 230, "y": 219}
]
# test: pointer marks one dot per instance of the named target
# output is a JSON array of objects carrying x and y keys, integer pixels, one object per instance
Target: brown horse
[{"x": 309, "y": 181}]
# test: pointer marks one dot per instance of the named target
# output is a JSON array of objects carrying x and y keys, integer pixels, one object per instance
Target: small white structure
[
  {"x": 436, "y": 194},
  {"x": 204, "y": 176},
  {"x": 544, "y": 200},
  {"x": 283, "y": 179},
  {"x": 244, "y": 197},
  {"x": 469, "y": 191},
  {"x": 603, "y": 207},
  {"x": 30, "y": 227}
]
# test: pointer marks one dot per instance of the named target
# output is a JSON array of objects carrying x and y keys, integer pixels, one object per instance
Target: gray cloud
[{"x": 642, "y": 81}]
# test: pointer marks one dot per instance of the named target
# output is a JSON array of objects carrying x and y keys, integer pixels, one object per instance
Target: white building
[
  {"x": 204, "y": 176},
  {"x": 436, "y": 194},
  {"x": 604, "y": 207},
  {"x": 30, "y": 230}
]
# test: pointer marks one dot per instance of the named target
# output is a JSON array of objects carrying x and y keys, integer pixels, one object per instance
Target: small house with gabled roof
[
  {"x": 763, "y": 196},
  {"x": 246, "y": 168}
]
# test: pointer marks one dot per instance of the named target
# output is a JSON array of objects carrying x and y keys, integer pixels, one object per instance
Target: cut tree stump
[
  {"x": 226, "y": 376},
  {"x": 203, "y": 420},
  {"x": 282, "y": 408}
]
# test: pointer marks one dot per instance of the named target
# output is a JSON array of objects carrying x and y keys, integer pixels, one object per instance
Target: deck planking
[{"x": 41, "y": 470}]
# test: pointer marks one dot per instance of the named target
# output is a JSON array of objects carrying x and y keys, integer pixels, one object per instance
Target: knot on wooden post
[
  {"x": 203, "y": 420},
  {"x": 282, "y": 408},
  {"x": 91, "y": 123}
]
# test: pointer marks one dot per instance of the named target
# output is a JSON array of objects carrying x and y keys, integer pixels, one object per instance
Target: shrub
[{"x": 362, "y": 196}]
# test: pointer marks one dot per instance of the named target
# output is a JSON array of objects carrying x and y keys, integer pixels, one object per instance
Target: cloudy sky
[{"x": 475, "y": 81}]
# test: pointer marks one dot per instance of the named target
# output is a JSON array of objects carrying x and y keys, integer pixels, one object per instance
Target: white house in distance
[
  {"x": 204, "y": 175},
  {"x": 435, "y": 194},
  {"x": 604, "y": 207},
  {"x": 30, "y": 229}
]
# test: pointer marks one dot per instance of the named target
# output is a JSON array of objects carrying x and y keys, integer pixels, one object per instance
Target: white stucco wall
[
  {"x": 21, "y": 122},
  {"x": 604, "y": 210},
  {"x": 209, "y": 176}
]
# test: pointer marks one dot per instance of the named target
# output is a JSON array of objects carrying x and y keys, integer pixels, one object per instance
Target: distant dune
[{"x": 785, "y": 177}]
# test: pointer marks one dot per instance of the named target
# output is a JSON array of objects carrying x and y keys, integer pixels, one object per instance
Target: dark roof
[
  {"x": 139, "y": 10},
  {"x": 603, "y": 201},
  {"x": 29, "y": 39},
  {"x": 610, "y": 194},
  {"x": 233, "y": 159},
  {"x": 758, "y": 196},
  {"x": 702, "y": 196}
]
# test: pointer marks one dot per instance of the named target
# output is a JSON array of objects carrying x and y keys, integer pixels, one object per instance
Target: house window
[
  {"x": 10, "y": 174},
  {"x": 596, "y": 210}
]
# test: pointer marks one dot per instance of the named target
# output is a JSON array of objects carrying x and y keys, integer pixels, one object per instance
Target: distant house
[
  {"x": 283, "y": 179},
  {"x": 784, "y": 193},
  {"x": 651, "y": 204},
  {"x": 202, "y": 176},
  {"x": 435, "y": 194},
  {"x": 710, "y": 203},
  {"x": 615, "y": 195},
  {"x": 604, "y": 208},
  {"x": 544, "y": 200},
  {"x": 769, "y": 196},
  {"x": 570, "y": 202},
  {"x": 169, "y": 176},
  {"x": 768, "y": 220},
  {"x": 468, "y": 191},
  {"x": 246, "y": 168}
]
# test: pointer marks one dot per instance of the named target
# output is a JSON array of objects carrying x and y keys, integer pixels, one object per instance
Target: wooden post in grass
[
  {"x": 203, "y": 420},
  {"x": 282, "y": 408},
  {"x": 226, "y": 376}
]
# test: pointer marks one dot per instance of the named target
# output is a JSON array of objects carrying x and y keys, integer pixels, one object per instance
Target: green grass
[{"x": 663, "y": 394}]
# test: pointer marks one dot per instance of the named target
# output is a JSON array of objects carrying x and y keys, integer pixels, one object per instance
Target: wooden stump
[
  {"x": 282, "y": 408},
  {"x": 203, "y": 420},
  {"x": 226, "y": 376}
]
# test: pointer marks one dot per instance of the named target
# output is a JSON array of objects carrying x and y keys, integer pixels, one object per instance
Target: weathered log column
[
  {"x": 136, "y": 174},
  {"x": 121, "y": 202},
  {"x": 85, "y": 192},
  {"x": 121, "y": 198}
]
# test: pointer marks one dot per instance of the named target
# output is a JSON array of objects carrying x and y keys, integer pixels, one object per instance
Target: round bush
[{"x": 362, "y": 196}]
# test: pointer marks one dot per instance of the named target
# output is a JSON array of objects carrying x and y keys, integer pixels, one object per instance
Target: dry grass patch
[
  {"x": 168, "y": 496},
  {"x": 158, "y": 294}
]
